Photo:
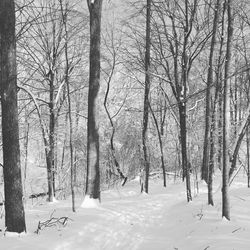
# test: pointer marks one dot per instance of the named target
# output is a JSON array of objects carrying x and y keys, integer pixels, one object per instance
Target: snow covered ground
[{"x": 129, "y": 220}]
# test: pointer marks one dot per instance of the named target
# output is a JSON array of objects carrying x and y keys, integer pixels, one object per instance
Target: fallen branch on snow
[
  {"x": 58, "y": 222},
  {"x": 236, "y": 230}
]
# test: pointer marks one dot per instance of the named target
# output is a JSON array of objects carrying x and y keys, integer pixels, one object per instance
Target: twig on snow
[{"x": 61, "y": 222}]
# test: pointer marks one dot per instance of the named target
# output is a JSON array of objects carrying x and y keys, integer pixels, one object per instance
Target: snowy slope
[{"x": 128, "y": 220}]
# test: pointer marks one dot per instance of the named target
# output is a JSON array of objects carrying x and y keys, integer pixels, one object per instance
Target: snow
[
  {"x": 125, "y": 219},
  {"x": 90, "y": 202},
  {"x": 14, "y": 235}
]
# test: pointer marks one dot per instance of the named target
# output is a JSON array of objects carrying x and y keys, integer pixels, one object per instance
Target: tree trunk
[
  {"x": 48, "y": 155},
  {"x": 226, "y": 118},
  {"x": 72, "y": 165},
  {"x": 50, "y": 151},
  {"x": 204, "y": 172},
  {"x": 161, "y": 146},
  {"x": 248, "y": 158},
  {"x": 211, "y": 157},
  {"x": 146, "y": 99},
  {"x": 14, "y": 210},
  {"x": 93, "y": 172},
  {"x": 219, "y": 80},
  {"x": 183, "y": 139}
]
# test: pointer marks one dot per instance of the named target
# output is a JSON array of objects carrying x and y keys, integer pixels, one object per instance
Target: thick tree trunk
[
  {"x": 146, "y": 99},
  {"x": 93, "y": 172},
  {"x": 14, "y": 210}
]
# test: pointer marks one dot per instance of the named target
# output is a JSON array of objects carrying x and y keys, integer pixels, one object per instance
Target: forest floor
[{"x": 129, "y": 220}]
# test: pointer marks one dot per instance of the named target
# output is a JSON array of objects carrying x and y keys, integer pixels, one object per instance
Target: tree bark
[
  {"x": 182, "y": 93},
  {"x": 93, "y": 172},
  {"x": 50, "y": 152},
  {"x": 204, "y": 172},
  {"x": 211, "y": 157},
  {"x": 146, "y": 99},
  {"x": 183, "y": 139},
  {"x": 226, "y": 117},
  {"x": 14, "y": 210}
]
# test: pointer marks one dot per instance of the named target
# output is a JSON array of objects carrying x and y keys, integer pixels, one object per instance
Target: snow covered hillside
[{"x": 129, "y": 220}]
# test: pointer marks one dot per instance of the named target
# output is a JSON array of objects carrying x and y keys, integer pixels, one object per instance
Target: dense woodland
[{"x": 95, "y": 93}]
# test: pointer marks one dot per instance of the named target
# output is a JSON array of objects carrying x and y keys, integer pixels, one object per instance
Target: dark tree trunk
[
  {"x": 182, "y": 94},
  {"x": 235, "y": 105},
  {"x": 183, "y": 139},
  {"x": 226, "y": 118},
  {"x": 204, "y": 172},
  {"x": 48, "y": 156},
  {"x": 50, "y": 151},
  {"x": 93, "y": 172},
  {"x": 219, "y": 88},
  {"x": 146, "y": 99},
  {"x": 248, "y": 158},
  {"x": 211, "y": 157},
  {"x": 220, "y": 118},
  {"x": 14, "y": 210},
  {"x": 163, "y": 108}
]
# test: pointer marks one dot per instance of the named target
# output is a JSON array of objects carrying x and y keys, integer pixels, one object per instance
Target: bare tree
[
  {"x": 208, "y": 149},
  {"x": 146, "y": 100},
  {"x": 179, "y": 39},
  {"x": 64, "y": 12},
  {"x": 112, "y": 63},
  {"x": 93, "y": 172},
  {"x": 226, "y": 116},
  {"x": 204, "y": 173},
  {"x": 46, "y": 70}
]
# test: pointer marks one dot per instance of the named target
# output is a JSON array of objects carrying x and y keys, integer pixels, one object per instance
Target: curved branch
[{"x": 112, "y": 124}]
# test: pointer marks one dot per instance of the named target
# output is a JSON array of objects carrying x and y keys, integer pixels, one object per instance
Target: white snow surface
[
  {"x": 125, "y": 219},
  {"x": 90, "y": 202}
]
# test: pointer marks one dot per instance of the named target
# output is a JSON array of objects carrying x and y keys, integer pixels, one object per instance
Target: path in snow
[{"x": 128, "y": 220}]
